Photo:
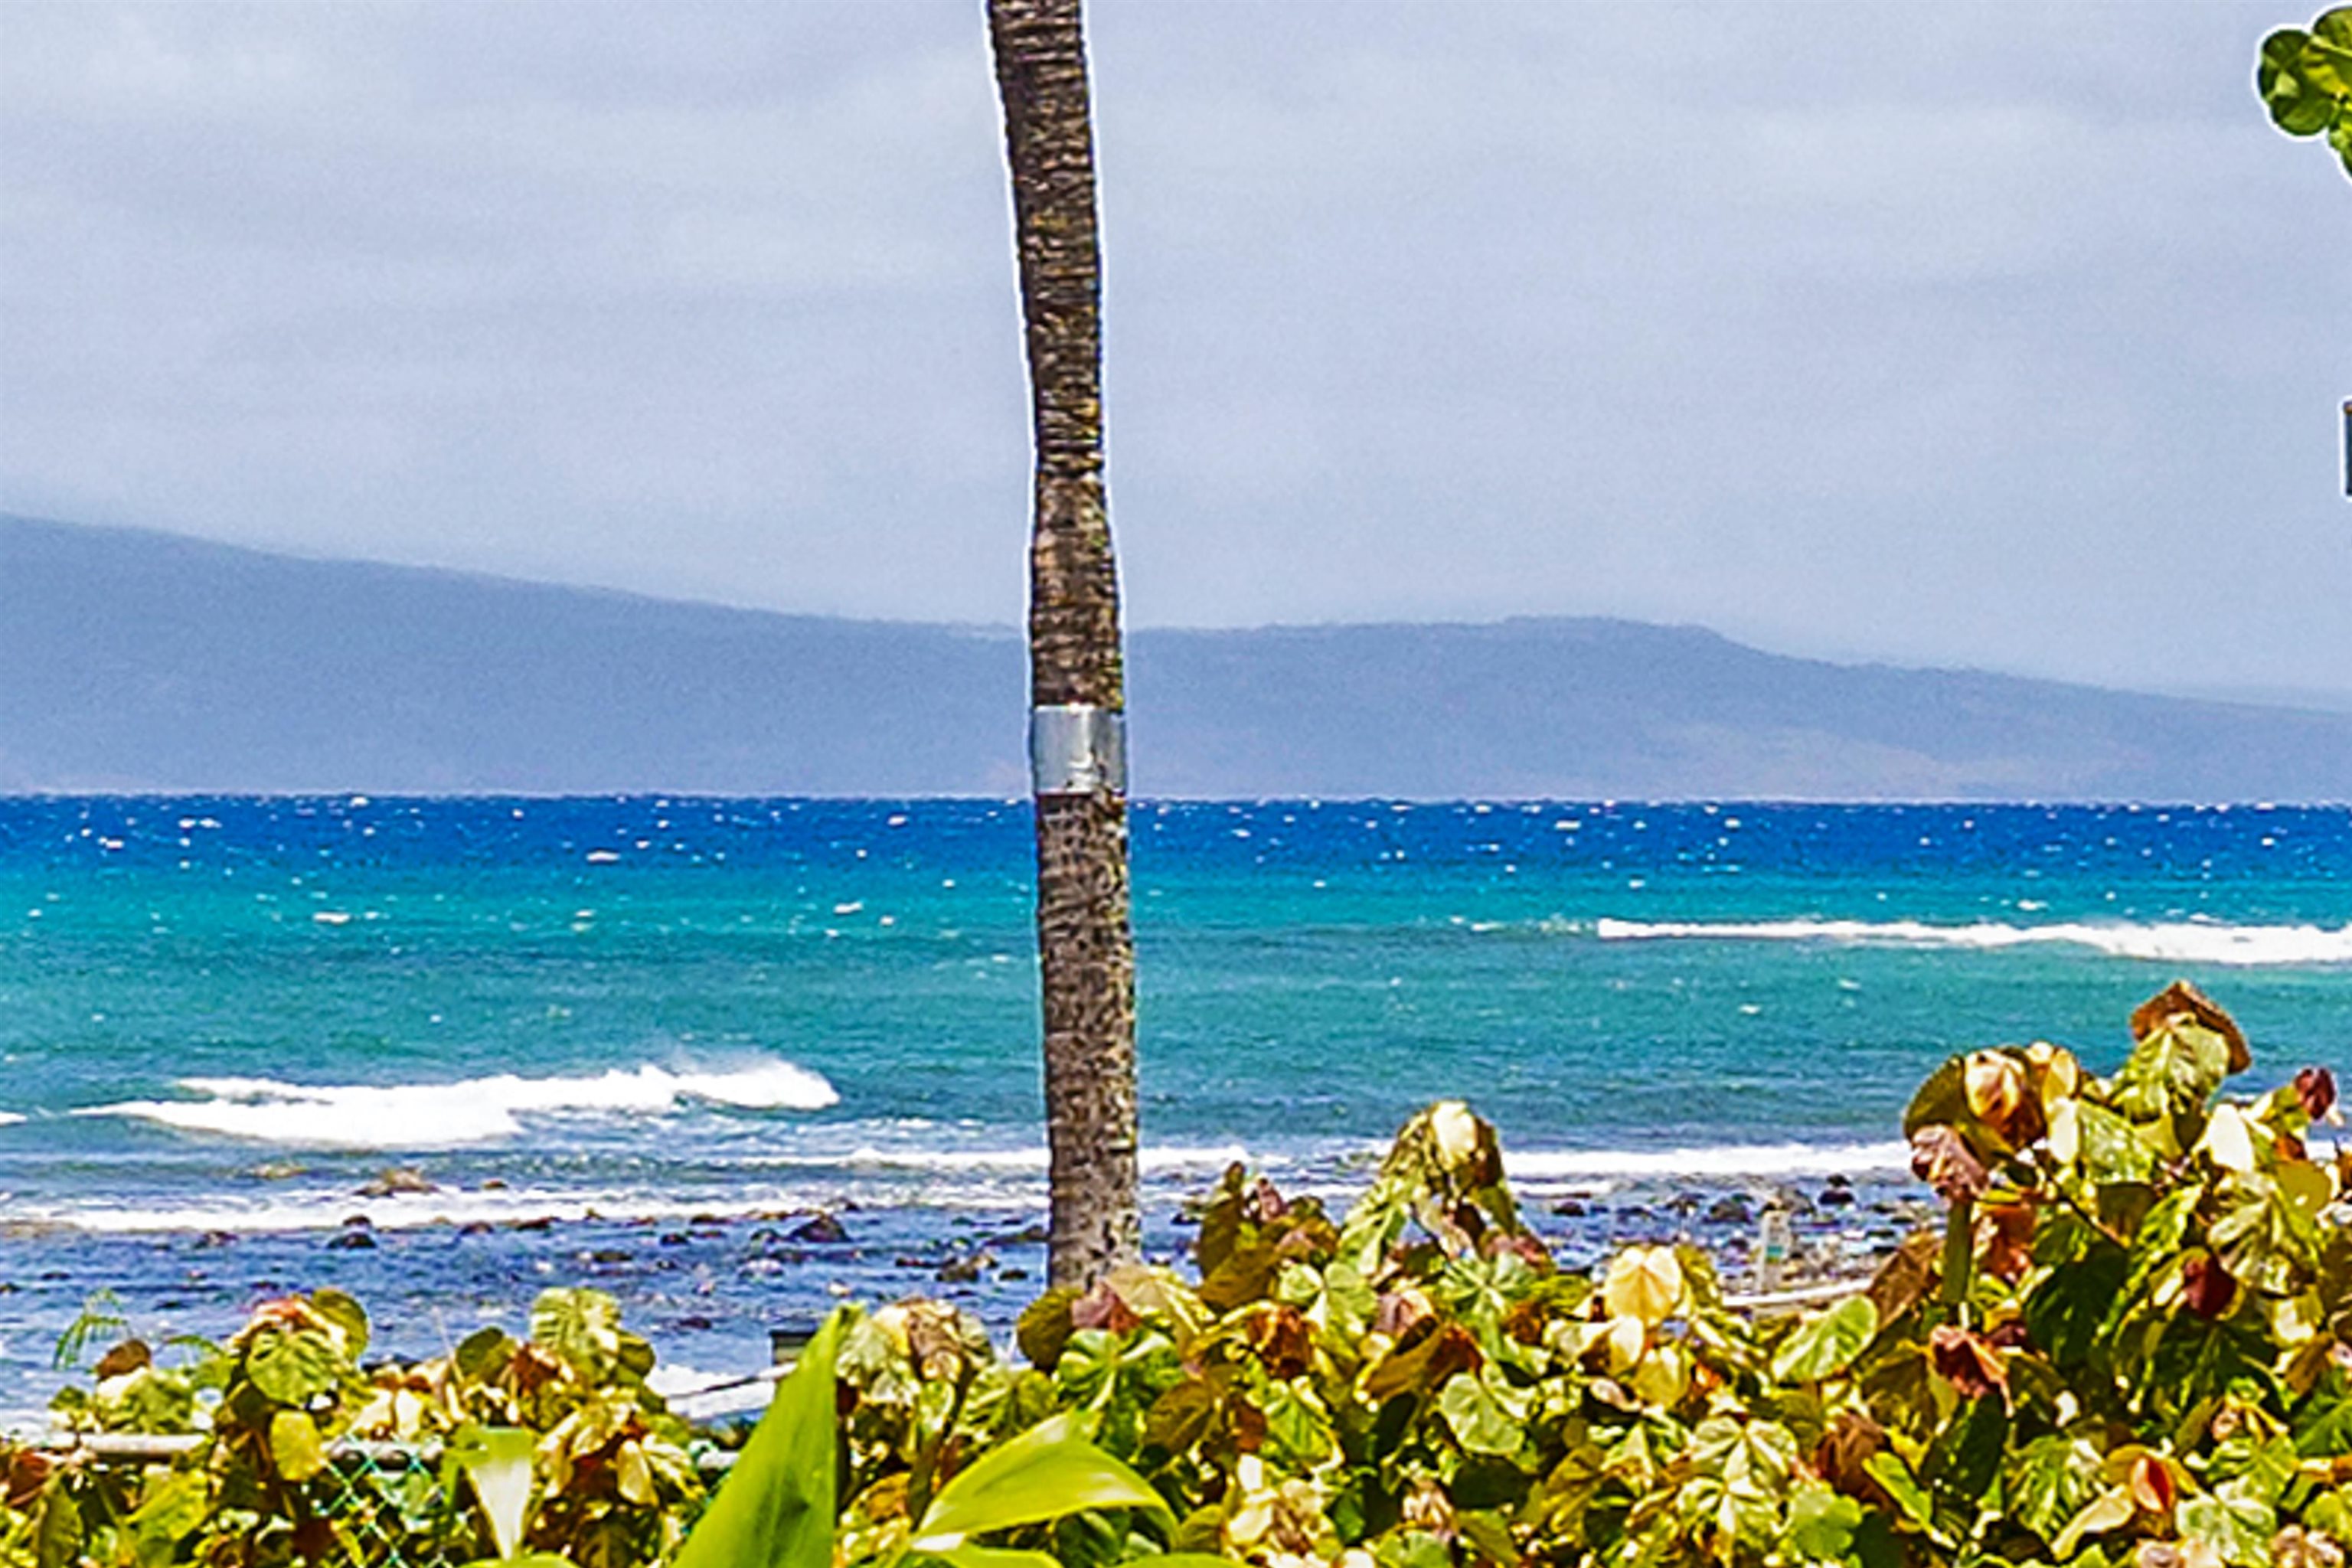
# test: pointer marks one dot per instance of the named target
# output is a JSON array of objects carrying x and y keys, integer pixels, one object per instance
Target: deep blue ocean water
[{"x": 664, "y": 1022}]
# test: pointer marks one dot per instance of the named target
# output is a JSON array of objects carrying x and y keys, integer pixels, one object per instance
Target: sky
[{"x": 2005, "y": 335}]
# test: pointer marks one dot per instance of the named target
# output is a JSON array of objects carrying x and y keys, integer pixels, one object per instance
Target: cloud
[{"x": 1963, "y": 333}]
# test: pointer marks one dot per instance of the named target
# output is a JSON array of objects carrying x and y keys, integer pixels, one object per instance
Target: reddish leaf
[
  {"x": 2181, "y": 999},
  {"x": 128, "y": 1356},
  {"x": 1941, "y": 1158},
  {"x": 1399, "y": 1313},
  {"x": 28, "y": 1472},
  {"x": 1101, "y": 1307},
  {"x": 2151, "y": 1484},
  {"x": 2000, "y": 1097},
  {"x": 2206, "y": 1288},
  {"x": 1967, "y": 1363},
  {"x": 1263, "y": 1203},
  {"x": 1425, "y": 1365},
  {"x": 2004, "y": 1238},
  {"x": 1280, "y": 1337},
  {"x": 2315, "y": 1087},
  {"x": 1902, "y": 1279},
  {"x": 1843, "y": 1456}
]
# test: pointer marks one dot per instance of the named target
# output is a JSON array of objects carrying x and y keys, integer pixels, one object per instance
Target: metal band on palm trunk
[{"x": 1076, "y": 747}]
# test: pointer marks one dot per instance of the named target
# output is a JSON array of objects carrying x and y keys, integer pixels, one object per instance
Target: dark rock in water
[
  {"x": 676, "y": 1239},
  {"x": 1730, "y": 1210},
  {"x": 766, "y": 1233},
  {"x": 1836, "y": 1180},
  {"x": 820, "y": 1229},
  {"x": 494, "y": 1183},
  {"x": 399, "y": 1180},
  {"x": 964, "y": 1270},
  {"x": 218, "y": 1239},
  {"x": 707, "y": 1219},
  {"x": 352, "y": 1241},
  {"x": 1836, "y": 1197},
  {"x": 907, "y": 1260},
  {"x": 1014, "y": 1274},
  {"x": 693, "y": 1322},
  {"x": 475, "y": 1227},
  {"x": 358, "y": 1221},
  {"x": 1684, "y": 1203},
  {"x": 1027, "y": 1236},
  {"x": 611, "y": 1255},
  {"x": 540, "y": 1222},
  {"x": 1572, "y": 1208}
]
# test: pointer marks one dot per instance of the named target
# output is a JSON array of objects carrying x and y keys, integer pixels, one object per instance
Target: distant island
[{"x": 143, "y": 661}]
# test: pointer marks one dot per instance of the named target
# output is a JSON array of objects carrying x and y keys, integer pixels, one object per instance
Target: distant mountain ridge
[{"x": 139, "y": 661}]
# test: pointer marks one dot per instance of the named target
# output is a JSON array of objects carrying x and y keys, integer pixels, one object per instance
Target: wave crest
[
  {"x": 471, "y": 1111},
  {"x": 2183, "y": 941},
  {"x": 1533, "y": 1168}
]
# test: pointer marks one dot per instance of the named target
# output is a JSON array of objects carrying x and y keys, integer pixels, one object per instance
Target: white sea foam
[
  {"x": 1007, "y": 1162},
  {"x": 9, "y": 1117},
  {"x": 2185, "y": 941},
  {"x": 1708, "y": 1163},
  {"x": 472, "y": 1111}
]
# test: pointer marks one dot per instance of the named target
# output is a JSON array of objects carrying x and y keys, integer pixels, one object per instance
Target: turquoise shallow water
[{"x": 652, "y": 1009}]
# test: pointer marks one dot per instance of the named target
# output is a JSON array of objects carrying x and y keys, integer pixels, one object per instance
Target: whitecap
[
  {"x": 2171, "y": 943},
  {"x": 1701, "y": 1163},
  {"x": 472, "y": 1111}
]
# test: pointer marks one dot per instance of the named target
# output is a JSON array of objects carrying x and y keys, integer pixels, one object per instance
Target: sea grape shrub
[
  {"x": 2144, "y": 1319},
  {"x": 2131, "y": 1343},
  {"x": 291, "y": 1424}
]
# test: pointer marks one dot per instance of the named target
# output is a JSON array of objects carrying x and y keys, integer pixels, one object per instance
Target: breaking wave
[
  {"x": 471, "y": 1111},
  {"x": 2177, "y": 942},
  {"x": 1713, "y": 1163}
]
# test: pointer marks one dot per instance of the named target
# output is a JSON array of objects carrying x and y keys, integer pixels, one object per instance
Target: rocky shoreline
[{"x": 708, "y": 1288}]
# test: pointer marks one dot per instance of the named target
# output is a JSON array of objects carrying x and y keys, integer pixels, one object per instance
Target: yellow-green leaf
[
  {"x": 295, "y": 1445},
  {"x": 1644, "y": 1282},
  {"x": 1826, "y": 1343},
  {"x": 1047, "y": 1472}
]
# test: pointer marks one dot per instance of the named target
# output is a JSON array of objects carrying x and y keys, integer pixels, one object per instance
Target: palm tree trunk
[{"x": 1077, "y": 692}]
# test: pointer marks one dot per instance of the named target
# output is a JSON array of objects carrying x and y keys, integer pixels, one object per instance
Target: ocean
[{"x": 640, "y": 1042}]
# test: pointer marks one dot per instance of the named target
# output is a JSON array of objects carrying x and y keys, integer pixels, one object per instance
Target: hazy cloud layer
[{"x": 2002, "y": 335}]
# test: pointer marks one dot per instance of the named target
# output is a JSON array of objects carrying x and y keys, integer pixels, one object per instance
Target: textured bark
[{"x": 1086, "y": 950}]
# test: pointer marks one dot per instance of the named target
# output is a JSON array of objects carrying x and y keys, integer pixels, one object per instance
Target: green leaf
[
  {"x": 1827, "y": 1343},
  {"x": 775, "y": 1509},
  {"x": 2052, "y": 1477},
  {"x": 967, "y": 1555},
  {"x": 1482, "y": 1423},
  {"x": 1821, "y": 1522},
  {"x": 295, "y": 1447},
  {"x": 1894, "y": 1479},
  {"x": 174, "y": 1508},
  {"x": 2326, "y": 61},
  {"x": 2238, "y": 1528},
  {"x": 345, "y": 1312},
  {"x": 2065, "y": 1312},
  {"x": 2297, "y": 105},
  {"x": 1045, "y": 1473},
  {"x": 2178, "y": 1067},
  {"x": 292, "y": 1366},
  {"x": 497, "y": 1460},
  {"x": 582, "y": 1326}
]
